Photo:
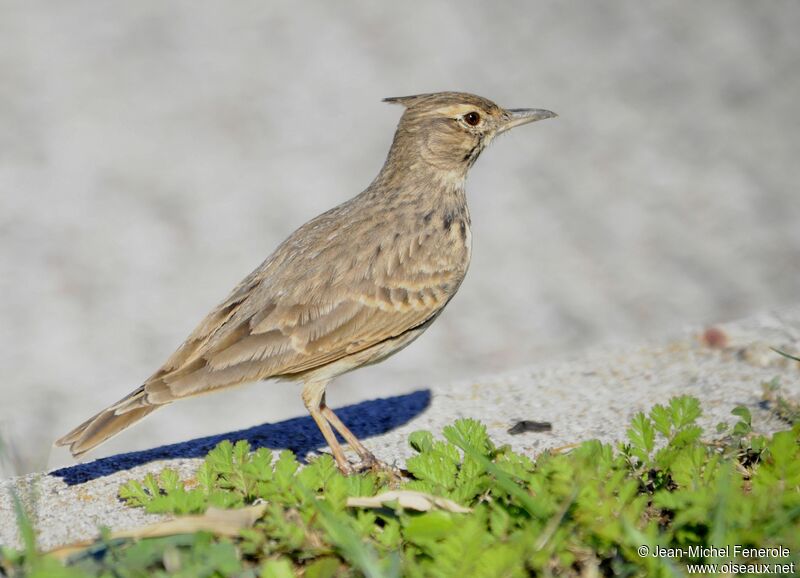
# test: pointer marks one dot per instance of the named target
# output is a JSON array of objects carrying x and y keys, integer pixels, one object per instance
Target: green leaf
[
  {"x": 220, "y": 459},
  {"x": 421, "y": 441},
  {"x": 429, "y": 527},
  {"x": 205, "y": 477},
  {"x": 285, "y": 468},
  {"x": 134, "y": 494},
  {"x": 24, "y": 524},
  {"x": 685, "y": 410},
  {"x": 743, "y": 413},
  {"x": 342, "y": 533},
  {"x": 662, "y": 420},
  {"x": 323, "y": 568},
  {"x": 784, "y": 354},
  {"x": 280, "y": 568},
  {"x": 469, "y": 432},
  {"x": 687, "y": 435},
  {"x": 642, "y": 436},
  {"x": 437, "y": 466},
  {"x": 499, "y": 521}
]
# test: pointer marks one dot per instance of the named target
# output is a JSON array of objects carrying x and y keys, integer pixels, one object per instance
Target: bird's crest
[{"x": 406, "y": 101}]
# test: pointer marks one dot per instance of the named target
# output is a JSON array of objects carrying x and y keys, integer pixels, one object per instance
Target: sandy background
[{"x": 152, "y": 154}]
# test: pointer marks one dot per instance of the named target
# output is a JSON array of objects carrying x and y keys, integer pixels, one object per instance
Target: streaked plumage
[{"x": 350, "y": 287}]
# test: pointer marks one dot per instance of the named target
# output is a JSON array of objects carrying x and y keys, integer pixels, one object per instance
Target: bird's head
[{"x": 448, "y": 130}]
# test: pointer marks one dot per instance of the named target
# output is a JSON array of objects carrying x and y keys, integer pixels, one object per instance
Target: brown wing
[
  {"x": 307, "y": 306},
  {"x": 293, "y": 338}
]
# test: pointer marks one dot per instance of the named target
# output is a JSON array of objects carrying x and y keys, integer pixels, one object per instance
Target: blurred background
[{"x": 152, "y": 154}]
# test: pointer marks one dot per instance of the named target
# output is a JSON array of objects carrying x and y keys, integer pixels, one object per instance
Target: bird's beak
[{"x": 520, "y": 116}]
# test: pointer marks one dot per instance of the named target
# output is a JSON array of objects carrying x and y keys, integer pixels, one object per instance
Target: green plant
[{"x": 588, "y": 510}]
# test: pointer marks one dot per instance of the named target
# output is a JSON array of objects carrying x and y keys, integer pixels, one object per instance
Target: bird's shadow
[{"x": 300, "y": 434}]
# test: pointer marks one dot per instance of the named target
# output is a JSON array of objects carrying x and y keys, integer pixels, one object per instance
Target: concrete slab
[{"x": 593, "y": 396}]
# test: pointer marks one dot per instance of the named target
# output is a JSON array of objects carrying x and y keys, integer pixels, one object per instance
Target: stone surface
[{"x": 593, "y": 396}]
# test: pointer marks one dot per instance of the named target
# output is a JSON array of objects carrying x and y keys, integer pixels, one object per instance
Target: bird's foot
[
  {"x": 390, "y": 474},
  {"x": 369, "y": 463},
  {"x": 366, "y": 464}
]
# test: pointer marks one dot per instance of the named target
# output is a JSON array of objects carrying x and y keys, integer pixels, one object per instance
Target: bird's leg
[
  {"x": 367, "y": 459},
  {"x": 313, "y": 398}
]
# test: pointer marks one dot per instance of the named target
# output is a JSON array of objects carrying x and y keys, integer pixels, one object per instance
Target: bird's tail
[{"x": 108, "y": 423}]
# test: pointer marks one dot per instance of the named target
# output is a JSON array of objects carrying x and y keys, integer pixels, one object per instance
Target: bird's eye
[{"x": 472, "y": 118}]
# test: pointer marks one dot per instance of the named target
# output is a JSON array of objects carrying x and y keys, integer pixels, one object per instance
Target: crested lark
[{"x": 350, "y": 287}]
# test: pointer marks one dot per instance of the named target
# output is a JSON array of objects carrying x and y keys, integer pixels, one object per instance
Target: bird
[{"x": 348, "y": 288}]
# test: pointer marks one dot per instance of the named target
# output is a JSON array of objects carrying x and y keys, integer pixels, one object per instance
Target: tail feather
[{"x": 107, "y": 423}]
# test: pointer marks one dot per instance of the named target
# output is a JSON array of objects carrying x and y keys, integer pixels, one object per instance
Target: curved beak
[{"x": 520, "y": 116}]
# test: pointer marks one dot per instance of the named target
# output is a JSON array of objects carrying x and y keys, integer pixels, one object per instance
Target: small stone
[{"x": 715, "y": 338}]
